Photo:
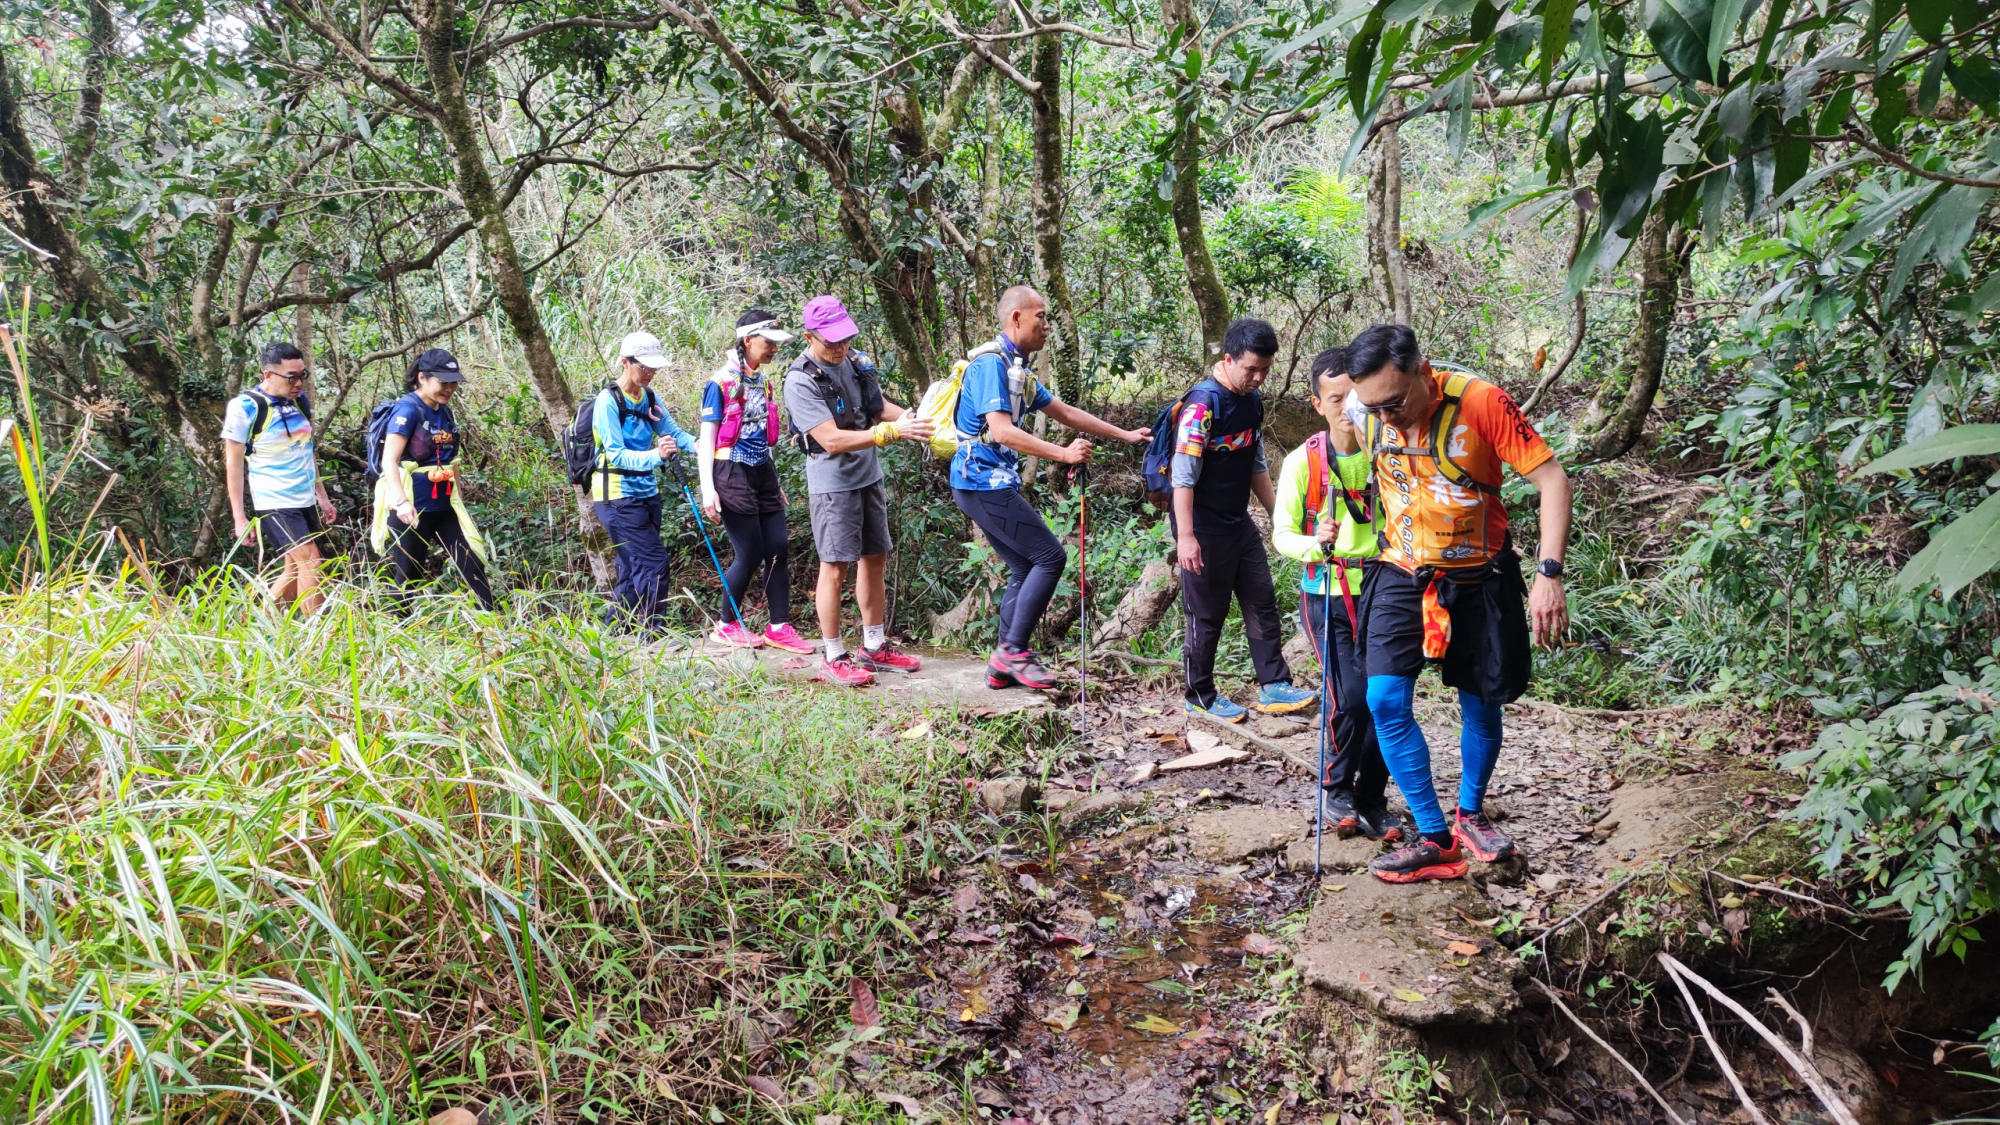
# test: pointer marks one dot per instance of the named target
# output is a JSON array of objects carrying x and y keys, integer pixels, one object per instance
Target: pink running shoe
[
  {"x": 787, "y": 638},
  {"x": 733, "y": 633},
  {"x": 889, "y": 658},
  {"x": 844, "y": 671}
]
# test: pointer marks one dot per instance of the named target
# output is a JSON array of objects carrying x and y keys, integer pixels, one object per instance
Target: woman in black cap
[{"x": 417, "y": 504}]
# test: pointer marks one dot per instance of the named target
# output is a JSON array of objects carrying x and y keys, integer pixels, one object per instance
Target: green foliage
[
  {"x": 1907, "y": 804},
  {"x": 278, "y": 868}
]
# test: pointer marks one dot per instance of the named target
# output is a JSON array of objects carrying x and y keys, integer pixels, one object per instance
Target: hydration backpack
[
  {"x": 846, "y": 415},
  {"x": 940, "y": 401},
  {"x": 580, "y": 440},
  {"x": 734, "y": 398}
]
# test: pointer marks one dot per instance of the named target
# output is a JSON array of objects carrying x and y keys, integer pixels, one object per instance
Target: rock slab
[
  {"x": 1236, "y": 834},
  {"x": 1384, "y": 947}
]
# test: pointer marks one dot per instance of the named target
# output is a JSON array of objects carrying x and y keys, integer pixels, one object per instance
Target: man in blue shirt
[
  {"x": 635, "y": 435},
  {"x": 267, "y": 448},
  {"x": 998, "y": 393}
]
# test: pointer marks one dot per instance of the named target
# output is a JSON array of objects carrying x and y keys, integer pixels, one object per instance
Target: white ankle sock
[
  {"x": 874, "y": 636},
  {"x": 835, "y": 647}
]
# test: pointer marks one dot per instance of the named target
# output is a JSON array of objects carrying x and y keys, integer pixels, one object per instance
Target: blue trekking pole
[
  {"x": 1325, "y": 710},
  {"x": 680, "y": 477}
]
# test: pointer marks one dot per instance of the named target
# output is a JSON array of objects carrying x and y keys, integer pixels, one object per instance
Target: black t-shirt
[{"x": 433, "y": 437}]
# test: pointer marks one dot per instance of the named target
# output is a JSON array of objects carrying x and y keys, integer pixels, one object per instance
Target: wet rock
[
  {"x": 1009, "y": 794},
  {"x": 1337, "y": 856},
  {"x": 1382, "y": 947},
  {"x": 1102, "y": 802},
  {"x": 1234, "y": 835}
]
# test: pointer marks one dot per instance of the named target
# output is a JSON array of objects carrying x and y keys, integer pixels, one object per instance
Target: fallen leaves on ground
[
  {"x": 1260, "y": 945},
  {"x": 864, "y": 1010},
  {"x": 975, "y": 1006},
  {"x": 1410, "y": 996},
  {"x": 1062, "y": 1017},
  {"x": 1157, "y": 1025}
]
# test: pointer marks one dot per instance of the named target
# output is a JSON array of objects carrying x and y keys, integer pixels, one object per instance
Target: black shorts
[
  {"x": 1488, "y": 655},
  {"x": 748, "y": 490},
  {"x": 282, "y": 530}
]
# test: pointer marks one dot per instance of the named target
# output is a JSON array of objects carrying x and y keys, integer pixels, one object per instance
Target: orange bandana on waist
[{"x": 1437, "y": 622}]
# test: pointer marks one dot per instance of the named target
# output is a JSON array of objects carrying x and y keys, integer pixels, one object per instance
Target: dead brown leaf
[{"x": 864, "y": 1011}]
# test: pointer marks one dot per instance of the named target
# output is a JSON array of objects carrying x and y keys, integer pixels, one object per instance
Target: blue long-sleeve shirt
[{"x": 627, "y": 439}]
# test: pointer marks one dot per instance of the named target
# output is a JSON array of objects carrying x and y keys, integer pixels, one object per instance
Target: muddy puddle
[{"x": 1144, "y": 991}]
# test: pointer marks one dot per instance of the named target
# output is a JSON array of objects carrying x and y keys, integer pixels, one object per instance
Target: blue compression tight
[{"x": 1392, "y": 700}]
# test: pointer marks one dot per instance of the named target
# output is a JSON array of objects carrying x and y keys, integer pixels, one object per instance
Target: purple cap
[{"x": 827, "y": 317}]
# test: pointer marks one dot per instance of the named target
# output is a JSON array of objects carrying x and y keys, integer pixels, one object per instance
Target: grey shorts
[{"x": 849, "y": 525}]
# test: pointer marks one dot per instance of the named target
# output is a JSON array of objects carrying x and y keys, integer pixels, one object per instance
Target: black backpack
[
  {"x": 846, "y": 415},
  {"x": 372, "y": 435},
  {"x": 580, "y": 440}
]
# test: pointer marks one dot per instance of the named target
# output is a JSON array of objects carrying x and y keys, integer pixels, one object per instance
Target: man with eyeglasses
[
  {"x": 267, "y": 448},
  {"x": 1449, "y": 588},
  {"x": 634, "y": 436}
]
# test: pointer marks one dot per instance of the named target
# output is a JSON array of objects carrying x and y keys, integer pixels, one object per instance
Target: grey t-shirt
[{"x": 829, "y": 472}]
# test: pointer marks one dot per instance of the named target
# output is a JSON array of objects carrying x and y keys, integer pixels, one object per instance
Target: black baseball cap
[{"x": 440, "y": 365}]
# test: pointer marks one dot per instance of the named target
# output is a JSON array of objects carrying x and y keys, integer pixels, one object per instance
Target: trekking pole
[
  {"x": 1325, "y": 710},
  {"x": 1080, "y": 473},
  {"x": 680, "y": 477}
]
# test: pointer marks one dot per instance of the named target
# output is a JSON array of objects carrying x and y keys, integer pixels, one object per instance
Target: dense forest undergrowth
[{"x": 1735, "y": 260}]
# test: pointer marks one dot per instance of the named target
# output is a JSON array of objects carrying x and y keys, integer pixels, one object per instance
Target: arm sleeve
[
  {"x": 670, "y": 428},
  {"x": 1288, "y": 531},
  {"x": 1508, "y": 430},
  {"x": 611, "y": 449},
  {"x": 1261, "y": 465},
  {"x": 1191, "y": 442}
]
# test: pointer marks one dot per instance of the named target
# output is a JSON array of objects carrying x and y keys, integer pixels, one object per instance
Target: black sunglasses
[{"x": 1385, "y": 407}]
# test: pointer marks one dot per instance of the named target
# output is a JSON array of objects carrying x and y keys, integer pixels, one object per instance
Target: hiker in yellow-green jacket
[{"x": 1326, "y": 517}]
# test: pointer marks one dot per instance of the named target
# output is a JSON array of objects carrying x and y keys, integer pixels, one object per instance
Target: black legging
[
  {"x": 757, "y": 538},
  {"x": 410, "y": 552},
  {"x": 1034, "y": 557}
]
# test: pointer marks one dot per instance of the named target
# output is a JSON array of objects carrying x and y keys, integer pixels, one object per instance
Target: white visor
[{"x": 768, "y": 329}]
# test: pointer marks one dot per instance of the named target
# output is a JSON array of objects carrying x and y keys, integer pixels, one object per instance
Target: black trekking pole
[
  {"x": 680, "y": 477},
  {"x": 1326, "y": 709}
]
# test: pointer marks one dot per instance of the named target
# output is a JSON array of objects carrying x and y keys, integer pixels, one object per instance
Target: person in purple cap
[{"x": 837, "y": 409}]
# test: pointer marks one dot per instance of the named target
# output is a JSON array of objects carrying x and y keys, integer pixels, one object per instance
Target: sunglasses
[
  {"x": 1385, "y": 407},
  {"x": 294, "y": 376}
]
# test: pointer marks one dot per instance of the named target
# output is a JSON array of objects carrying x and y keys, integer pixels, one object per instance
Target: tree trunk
[
  {"x": 1211, "y": 300},
  {"x": 190, "y": 416},
  {"x": 986, "y": 233},
  {"x": 1142, "y": 607},
  {"x": 1386, "y": 273},
  {"x": 1615, "y": 421},
  {"x": 436, "y": 23},
  {"x": 1046, "y": 201}
]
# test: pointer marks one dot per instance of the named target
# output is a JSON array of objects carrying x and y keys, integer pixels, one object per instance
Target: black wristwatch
[{"x": 1549, "y": 568}]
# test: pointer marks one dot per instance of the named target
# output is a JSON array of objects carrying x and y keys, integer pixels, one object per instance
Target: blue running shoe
[
  {"x": 1280, "y": 699},
  {"x": 1222, "y": 709}
]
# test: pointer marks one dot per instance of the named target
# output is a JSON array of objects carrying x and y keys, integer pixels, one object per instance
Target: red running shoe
[
  {"x": 1477, "y": 835},
  {"x": 1009, "y": 669},
  {"x": 888, "y": 658},
  {"x": 1422, "y": 860},
  {"x": 844, "y": 671}
]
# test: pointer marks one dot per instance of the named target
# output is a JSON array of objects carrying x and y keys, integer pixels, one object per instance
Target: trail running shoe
[
  {"x": 1337, "y": 812},
  {"x": 1283, "y": 699},
  {"x": 733, "y": 633},
  {"x": 1222, "y": 709},
  {"x": 1007, "y": 669},
  {"x": 1476, "y": 834},
  {"x": 1384, "y": 823},
  {"x": 888, "y": 658},
  {"x": 1419, "y": 861},
  {"x": 844, "y": 671},
  {"x": 787, "y": 638}
]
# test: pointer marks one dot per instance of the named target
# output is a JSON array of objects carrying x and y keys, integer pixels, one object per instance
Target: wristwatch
[{"x": 1549, "y": 568}]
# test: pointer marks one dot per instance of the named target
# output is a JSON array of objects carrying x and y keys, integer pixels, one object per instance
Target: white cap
[
  {"x": 768, "y": 329},
  {"x": 644, "y": 347}
]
